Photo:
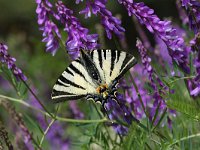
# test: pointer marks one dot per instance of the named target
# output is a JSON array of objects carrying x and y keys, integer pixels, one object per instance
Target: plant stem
[
  {"x": 185, "y": 138},
  {"x": 38, "y": 100},
  {"x": 46, "y": 131},
  {"x": 55, "y": 117},
  {"x": 138, "y": 93}
]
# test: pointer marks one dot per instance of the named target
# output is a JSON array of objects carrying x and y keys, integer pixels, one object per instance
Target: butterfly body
[{"x": 93, "y": 75}]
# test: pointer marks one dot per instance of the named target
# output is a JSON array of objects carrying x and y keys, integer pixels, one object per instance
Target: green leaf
[
  {"x": 156, "y": 114},
  {"x": 188, "y": 108},
  {"x": 33, "y": 123},
  {"x": 133, "y": 138}
]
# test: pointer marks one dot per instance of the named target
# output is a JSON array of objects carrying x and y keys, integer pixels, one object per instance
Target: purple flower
[
  {"x": 155, "y": 83},
  {"x": 117, "y": 110},
  {"x": 182, "y": 13},
  {"x": 194, "y": 84},
  {"x": 161, "y": 49},
  {"x": 78, "y": 36},
  {"x": 110, "y": 23},
  {"x": 56, "y": 137},
  {"x": 193, "y": 11},
  {"x": 5, "y": 58},
  {"x": 50, "y": 30},
  {"x": 163, "y": 29},
  {"x": 131, "y": 95}
]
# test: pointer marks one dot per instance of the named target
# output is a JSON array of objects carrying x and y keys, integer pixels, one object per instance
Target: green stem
[
  {"x": 138, "y": 93},
  {"x": 20, "y": 101},
  {"x": 38, "y": 100},
  {"x": 172, "y": 82},
  {"x": 185, "y": 138},
  {"x": 46, "y": 131},
  {"x": 161, "y": 118}
]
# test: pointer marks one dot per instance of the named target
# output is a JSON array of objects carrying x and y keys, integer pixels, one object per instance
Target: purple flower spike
[
  {"x": 163, "y": 29},
  {"x": 117, "y": 110},
  {"x": 50, "y": 30},
  {"x": 194, "y": 84},
  {"x": 110, "y": 23},
  {"x": 5, "y": 58},
  {"x": 193, "y": 11},
  {"x": 155, "y": 83},
  {"x": 182, "y": 13},
  {"x": 131, "y": 95},
  {"x": 78, "y": 36}
]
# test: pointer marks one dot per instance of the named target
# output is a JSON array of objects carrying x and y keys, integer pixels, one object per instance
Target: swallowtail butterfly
[{"x": 93, "y": 75}]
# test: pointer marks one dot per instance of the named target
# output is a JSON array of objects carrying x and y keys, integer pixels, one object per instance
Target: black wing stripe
[
  {"x": 68, "y": 71},
  {"x": 76, "y": 70},
  {"x": 125, "y": 61},
  {"x": 60, "y": 93},
  {"x": 132, "y": 62},
  {"x": 104, "y": 53},
  {"x": 118, "y": 55},
  {"x": 100, "y": 58},
  {"x": 78, "y": 61},
  {"x": 92, "y": 54},
  {"x": 113, "y": 57},
  {"x": 63, "y": 79},
  {"x": 63, "y": 98},
  {"x": 60, "y": 82}
]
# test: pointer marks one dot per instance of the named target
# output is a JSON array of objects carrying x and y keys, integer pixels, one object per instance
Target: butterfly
[{"x": 94, "y": 75}]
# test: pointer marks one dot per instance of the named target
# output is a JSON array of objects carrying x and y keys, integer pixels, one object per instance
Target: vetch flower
[
  {"x": 50, "y": 30},
  {"x": 110, "y": 23},
  {"x": 155, "y": 82},
  {"x": 193, "y": 11},
  {"x": 117, "y": 110},
  {"x": 132, "y": 95},
  {"x": 195, "y": 43},
  {"x": 194, "y": 84},
  {"x": 182, "y": 13},
  {"x": 78, "y": 36},
  {"x": 163, "y": 29},
  {"x": 160, "y": 50},
  {"x": 5, "y": 58}
]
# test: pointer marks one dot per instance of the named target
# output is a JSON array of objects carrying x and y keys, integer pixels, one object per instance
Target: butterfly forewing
[
  {"x": 74, "y": 83},
  {"x": 112, "y": 64}
]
